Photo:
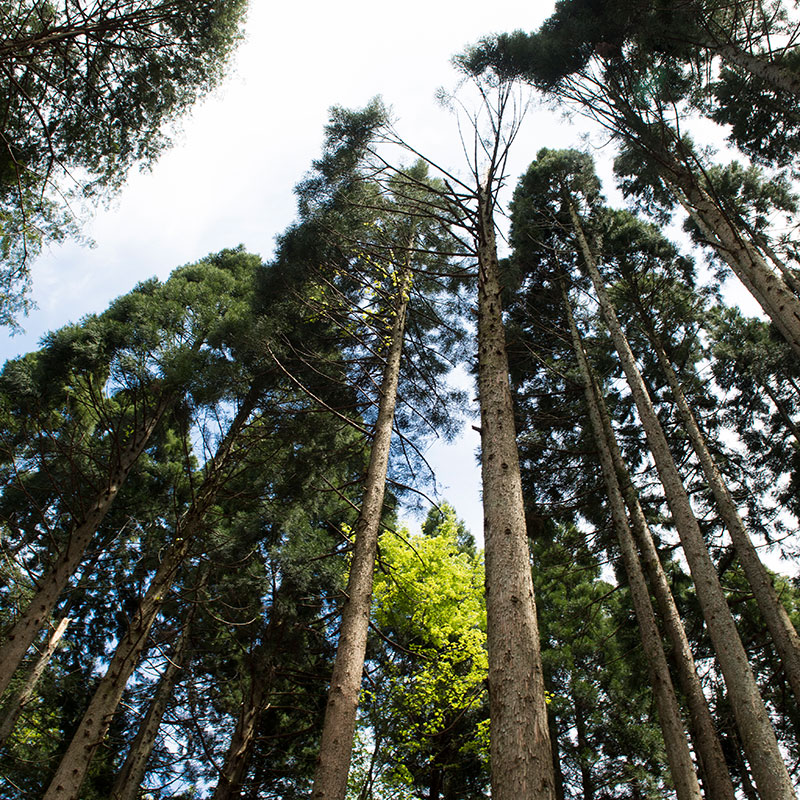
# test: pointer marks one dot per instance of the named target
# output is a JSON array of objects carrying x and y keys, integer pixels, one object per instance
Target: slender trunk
[
  {"x": 790, "y": 424},
  {"x": 783, "y": 633},
  {"x": 237, "y": 759},
  {"x": 69, "y": 776},
  {"x": 133, "y": 770},
  {"x": 714, "y": 769},
  {"x": 777, "y": 300},
  {"x": 669, "y": 713},
  {"x": 790, "y": 277},
  {"x": 519, "y": 740},
  {"x": 584, "y": 749},
  {"x": 14, "y": 707},
  {"x": 336, "y": 745},
  {"x": 758, "y": 736},
  {"x": 25, "y": 629},
  {"x": 558, "y": 773}
]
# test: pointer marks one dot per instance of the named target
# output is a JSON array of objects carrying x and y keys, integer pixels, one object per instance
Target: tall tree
[
  {"x": 87, "y": 405},
  {"x": 754, "y": 725}
]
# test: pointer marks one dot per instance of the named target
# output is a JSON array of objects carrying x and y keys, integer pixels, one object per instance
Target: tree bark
[
  {"x": 14, "y": 707},
  {"x": 669, "y": 713},
  {"x": 758, "y": 736},
  {"x": 777, "y": 300},
  {"x": 25, "y": 629},
  {"x": 333, "y": 765},
  {"x": 519, "y": 739},
  {"x": 783, "y": 633},
  {"x": 771, "y": 73}
]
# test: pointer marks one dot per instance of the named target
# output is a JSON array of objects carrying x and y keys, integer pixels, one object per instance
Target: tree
[
  {"x": 640, "y": 99},
  {"x": 84, "y": 408},
  {"x": 87, "y": 92},
  {"x": 427, "y": 706},
  {"x": 752, "y": 719},
  {"x": 393, "y": 254}
]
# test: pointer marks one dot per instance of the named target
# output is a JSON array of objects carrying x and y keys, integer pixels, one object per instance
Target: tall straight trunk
[
  {"x": 336, "y": 745},
  {"x": 783, "y": 633},
  {"x": 714, "y": 769},
  {"x": 558, "y": 773},
  {"x": 18, "y": 701},
  {"x": 758, "y": 736},
  {"x": 130, "y": 777},
  {"x": 72, "y": 769},
  {"x": 25, "y": 629},
  {"x": 519, "y": 739},
  {"x": 237, "y": 759},
  {"x": 669, "y": 712},
  {"x": 583, "y": 747}
]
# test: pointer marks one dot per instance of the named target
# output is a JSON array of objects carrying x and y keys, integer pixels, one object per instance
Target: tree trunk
[
  {"x": 14, "y": 707},
  {"x": 771, "y": 73},
  {"x": 777, "y": 300},
  {"x": 25, "y": 629},
  {"x": 520, "y": 744},
  {"x": 237, "y": 759},
  {"x": 558, "y": 774},
  {"x": 758, "y": 736},
  {"x": 333, "y": 765},
  {"x": 714, "y": 769},
  {"x": 783, "y": 633},
  {"x": 669, "y": 713},
  {"x": 133, "y": 770},
  {"x": 587, "y": 782},
  {"x": 75, "y": 762}
]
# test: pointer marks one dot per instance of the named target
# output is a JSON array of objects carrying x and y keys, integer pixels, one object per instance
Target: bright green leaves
[{"x": 429, "y": 705}]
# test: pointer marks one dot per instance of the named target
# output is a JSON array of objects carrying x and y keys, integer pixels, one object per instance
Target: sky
[{"x": 229, "y": 177}]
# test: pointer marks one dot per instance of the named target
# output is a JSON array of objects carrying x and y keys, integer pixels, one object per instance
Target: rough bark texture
[
  {"x": 75, "y": 762},
  {"x": 520, "y": 742},
  {"x": 330, "y": 779},
  {"x": 758, "y": 736},
  {"x": 770, "y": 72},
  {"x": 25, "y": 629},
  {"x": 133, "y": 770},
  {"x": 783, "y": 633},
  {"x": 669, "y": 713},
  {"x": 14, "y": 707}
]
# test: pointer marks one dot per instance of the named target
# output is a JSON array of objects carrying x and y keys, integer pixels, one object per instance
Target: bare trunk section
[
  {"x": 14, "y": 707},
  {"x": 669, "y": 713},
  {"x": 777, "y": 300},
  {"x": 770, "y": 72},
  {"x": 783, "y": 633},
  {"x": 69, "y": 776},
  {"x": 333, "y": 765},
  {"x": 520, "y": 743},
  {"x": 23, "y": 632},
  {"x": 714, "y": 769},
  {"x": 237, "y": 758},
  {"x": 133, "y": 770},
  {"x": 758, "y": 736}
]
